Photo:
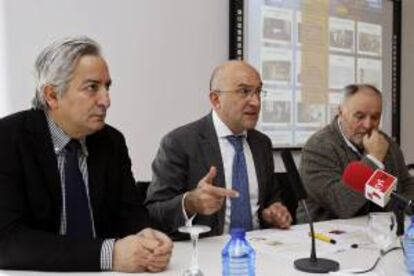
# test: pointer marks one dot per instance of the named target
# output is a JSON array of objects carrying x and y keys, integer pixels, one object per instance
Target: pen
[{"x": 323, "y": 237}]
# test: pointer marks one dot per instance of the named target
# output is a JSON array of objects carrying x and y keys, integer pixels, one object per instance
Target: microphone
[
  {"x": 378, "y": 187},
  {"x": 313, "y": 264}
]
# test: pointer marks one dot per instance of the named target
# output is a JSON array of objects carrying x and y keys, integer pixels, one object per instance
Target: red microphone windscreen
[{"x": 356, "y": 175}]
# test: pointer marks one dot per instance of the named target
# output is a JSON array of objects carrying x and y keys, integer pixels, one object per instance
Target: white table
[{"x": 268, "y": 263}]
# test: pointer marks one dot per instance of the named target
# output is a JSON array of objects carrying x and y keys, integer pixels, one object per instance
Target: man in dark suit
[
  {"x": 220, "y": 156},
  {"x": 68, "y": 200}
]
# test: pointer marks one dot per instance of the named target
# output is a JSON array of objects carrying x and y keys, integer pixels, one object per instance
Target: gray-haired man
[
  {"x": 353, "y": 135},
  {"x": 68, "y": 200}
]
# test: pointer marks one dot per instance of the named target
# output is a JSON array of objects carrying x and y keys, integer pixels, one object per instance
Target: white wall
[
  {"x": 4, "y": 97},
  {"x": 160, "y": 54},
  {"x": 407, "y": 84}
]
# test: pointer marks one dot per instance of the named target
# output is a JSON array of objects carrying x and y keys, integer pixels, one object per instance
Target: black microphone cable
[{"x": 382, "y": 254}]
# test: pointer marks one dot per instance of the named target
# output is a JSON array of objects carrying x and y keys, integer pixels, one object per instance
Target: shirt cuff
[
  {"x": 377, "y": 163},
  {"x": 188, "y": 221},
  {"x": 106, "y": 254}
]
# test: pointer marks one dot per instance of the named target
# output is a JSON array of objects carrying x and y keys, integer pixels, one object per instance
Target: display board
[{"x": 307, "y": 51}]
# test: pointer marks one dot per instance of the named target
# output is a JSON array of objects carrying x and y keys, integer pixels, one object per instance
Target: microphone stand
[
  {"x": 313, "y": 264},
  {"x": 400, "y": 208}
]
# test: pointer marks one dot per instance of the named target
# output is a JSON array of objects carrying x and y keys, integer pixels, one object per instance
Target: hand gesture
[
  {"x": 376, "y": 145},
  {"x": 207, "y": 199}
]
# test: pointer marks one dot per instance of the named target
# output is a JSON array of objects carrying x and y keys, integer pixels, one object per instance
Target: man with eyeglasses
[{"x": 218, "y": 170}]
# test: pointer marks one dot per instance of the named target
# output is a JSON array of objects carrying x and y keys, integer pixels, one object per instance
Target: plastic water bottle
[
  {"x": 409, "y": 247},
  {"x": 238, "y": 257}
]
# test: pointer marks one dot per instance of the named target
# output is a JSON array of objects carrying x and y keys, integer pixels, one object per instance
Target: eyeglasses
[{"x": 246, "y": 92}]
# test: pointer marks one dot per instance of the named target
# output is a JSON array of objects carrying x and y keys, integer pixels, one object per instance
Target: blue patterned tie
[
  {"x": 78, "y": 219},
  {"x": 241, "y": 215}
]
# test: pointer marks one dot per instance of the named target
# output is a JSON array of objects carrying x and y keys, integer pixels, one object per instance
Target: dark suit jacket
[
  {"x": 184, "y": 157},
  {"x": 31, "y": 197}
]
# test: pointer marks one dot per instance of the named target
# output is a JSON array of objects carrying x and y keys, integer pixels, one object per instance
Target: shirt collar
[
  {"x": 222, "y": 129},
  {"x": 349, "y": 143},
  {"x": 60, "y": 139}
]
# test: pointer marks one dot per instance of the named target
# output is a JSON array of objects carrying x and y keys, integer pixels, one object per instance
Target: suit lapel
[
  {"x": 40, "y": 142},
  {"x": 96, "y": 169},
  {"x": 211, "y": 151}
]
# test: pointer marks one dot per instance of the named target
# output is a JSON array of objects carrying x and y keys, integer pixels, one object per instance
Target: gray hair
[
  {"x": 55, "y": 65},
  {"x": 352, "y": 89}
]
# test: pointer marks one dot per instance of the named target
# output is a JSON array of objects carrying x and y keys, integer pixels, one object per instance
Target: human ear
[
  {"x": 214, "y": 99},
  {"x": 50, "y": 96}
]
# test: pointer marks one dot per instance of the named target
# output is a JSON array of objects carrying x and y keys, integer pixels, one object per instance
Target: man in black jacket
[
  {"x": 68, "y": 200},
  {"x": 199, "y": 174}
]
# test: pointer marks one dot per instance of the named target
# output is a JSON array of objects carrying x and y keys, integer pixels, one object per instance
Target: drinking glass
[
  {"x": 382, "y": 229},
  {"x": 194, "y": 231}
]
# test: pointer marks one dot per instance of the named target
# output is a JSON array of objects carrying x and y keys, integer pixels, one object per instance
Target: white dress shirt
[{"x": 227, "y": 155}]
